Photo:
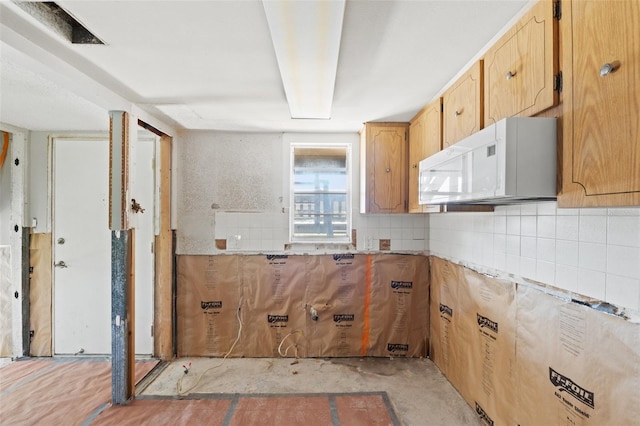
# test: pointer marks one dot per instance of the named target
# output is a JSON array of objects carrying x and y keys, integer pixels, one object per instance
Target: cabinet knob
[
  {"x": 608, "y": 68},
  {"x": 457, "y": 113},
  {"x": 510, "y": 75},
  {"x": 387, "y": 170},
  {"x": 415, "y": 166}
]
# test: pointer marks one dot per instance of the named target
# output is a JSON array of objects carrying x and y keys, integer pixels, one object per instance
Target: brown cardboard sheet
[
  {"x": 305, "y": 306},
  {"x": 473, "y": 337},
  {"x": 336, "y": 293},
  {"x": 399, "y": 306},
  {"x": 449, "y": 348},
  {"x": 487, "y": 307},
  {"x": 40, "y": 295},
  {"x": 575, "y": 365},
  {"x": 208, "y": 298},
  {"x": 273, "y": 311}
]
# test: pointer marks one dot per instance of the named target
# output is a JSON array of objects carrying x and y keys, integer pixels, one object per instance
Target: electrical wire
[
  {"x": 183, "y": 392},
  {"x": 288, "y": 347}
]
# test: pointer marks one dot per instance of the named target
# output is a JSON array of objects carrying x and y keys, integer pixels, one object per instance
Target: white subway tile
[
  {"x": 567, "y": 253},
  {"x": 623, "y": 291},
  {"x": 547, "y": 208},
  {"x": 567, "y": 228},
  {"x": 593, "y": 212},
  {"x": 624, "y": 211},
  {"x": 513, "y": 225},
  {"x": 396, "y": 233},
  {"x": 528, "y": 209},
  {"x": 528, "y": 247},
  {"x": 500, "y": 224},
  {"x": 513, "y": 264},
  {"x": 513, "y": 210},
  {"x": 528, "y": 226},
  {"x": 624, "y": 261},
  {"x": 593, "y": 229},
  {"x": 591, "y": 283},
  {"x": 513, "y": 245},
  {"x": 567, "y": 277},
  {"x": 528, "y": 268},
  {"x": 546, "y": 226},
  {"x": 500, "y": 210},
  {"x": 592, "y": 256},
  {"x": 500, "y": 243},
  {"x": 546, "y": 272},
  {"x": 567, "y": 212},
  {"x": 624, "y": 230},
  {"x": 499, "y": 261},
  {"x": 546, "y": 249}
]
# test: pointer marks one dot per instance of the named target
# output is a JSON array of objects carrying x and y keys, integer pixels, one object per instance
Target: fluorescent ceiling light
[{"x": 306, "y": 37}]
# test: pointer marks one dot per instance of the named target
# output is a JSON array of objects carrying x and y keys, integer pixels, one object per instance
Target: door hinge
[
  {"x": 557, "y": 82},
  {"x": 151, "y": 330},
  {"x": 557, "y": 10}
]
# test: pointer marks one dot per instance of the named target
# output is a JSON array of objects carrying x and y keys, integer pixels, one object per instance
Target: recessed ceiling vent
[{"x": 57, "y": 19}]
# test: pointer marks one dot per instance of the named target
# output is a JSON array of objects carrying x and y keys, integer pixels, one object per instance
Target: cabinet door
[
  {"x": 519, "y": 69},
  {"x": 386, "y": 167},
  {"x": 463, "y": 105},
  {"x": 601, "y": 148},
  {"x": 425, "y": 139}
]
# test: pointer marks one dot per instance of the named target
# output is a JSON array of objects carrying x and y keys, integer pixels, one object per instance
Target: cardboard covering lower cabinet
[
  {"x": 581, "y": 365},
  {"x": 520, "y": 356},
  {"x": 473, "y": 337},
  {"x": 337, "y": 305}
]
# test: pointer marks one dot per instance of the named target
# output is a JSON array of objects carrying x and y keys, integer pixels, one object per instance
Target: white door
[
  {"x": 82, "y": 251},
  {"x": 144, "y": 224}
]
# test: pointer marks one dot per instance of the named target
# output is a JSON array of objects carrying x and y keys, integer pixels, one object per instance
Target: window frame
[{"x": 346, "y": 239}]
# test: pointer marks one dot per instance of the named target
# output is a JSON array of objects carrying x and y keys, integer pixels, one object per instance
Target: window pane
[
  {"x": 320, "y": 208},
  {"x": 320, "y": 204},
  {"x": 317, "y": 226}
]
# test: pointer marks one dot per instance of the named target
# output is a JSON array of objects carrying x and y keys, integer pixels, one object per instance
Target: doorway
[{"x": 82, "y": 246}]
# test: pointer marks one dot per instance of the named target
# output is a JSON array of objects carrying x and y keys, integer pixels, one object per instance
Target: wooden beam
[{"x": 163, "y": 315}]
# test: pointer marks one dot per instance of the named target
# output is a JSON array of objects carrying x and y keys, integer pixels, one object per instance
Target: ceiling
[{"x": 211, "y": 65}]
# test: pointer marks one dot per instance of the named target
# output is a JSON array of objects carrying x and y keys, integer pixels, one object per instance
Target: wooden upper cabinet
[
  {"x": 384, "y": 162},
  {"x": 463, "y": 106},
  {"x": 601, "y": 103},
  {"x": 425, "y": 139},
  {"x": 520, "y": 69}
]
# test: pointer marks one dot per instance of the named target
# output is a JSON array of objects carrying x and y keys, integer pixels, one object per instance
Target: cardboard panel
[
  {"x": 473, "y": 337},
  {"x": 305, "y": 306},
  {"x": 581, "y": 365},
  {"x": 337, "y": 294},
  {"x": 209, "y": 295},
  {"x": 40, "y": 295},
  {"x": 274, "y": 289},
  {"x": 399, "y": 309},
  {"x": 487, "y": 319},
  {"x": 449, "y": 346}
]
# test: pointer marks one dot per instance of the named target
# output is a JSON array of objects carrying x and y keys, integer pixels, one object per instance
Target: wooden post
[
  {"x": 163, "y": 315},
  {"x": 122, "y": 257}
]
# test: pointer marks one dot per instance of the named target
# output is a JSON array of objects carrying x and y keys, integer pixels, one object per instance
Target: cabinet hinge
[
  {"x": 557, "y": 10},
  {"x": 441, "y": 107},
  {"x": 557, "y": 82}
]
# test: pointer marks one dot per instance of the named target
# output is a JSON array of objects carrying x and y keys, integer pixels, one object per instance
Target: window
[{"x": 320, "y": 208}]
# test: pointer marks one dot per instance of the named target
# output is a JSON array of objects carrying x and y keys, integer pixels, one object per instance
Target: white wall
[
  {"x": 246, "y": 176},
  {"x": 592, "y": 252}
]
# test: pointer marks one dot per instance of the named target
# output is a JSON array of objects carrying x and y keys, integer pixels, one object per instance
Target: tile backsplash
[
  {"x": 592, "y": 252},
  {"x": 253, "y": 232}
]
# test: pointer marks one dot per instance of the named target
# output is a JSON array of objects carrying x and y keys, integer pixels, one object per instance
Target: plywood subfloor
[{"x": 57, "y": 391}]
